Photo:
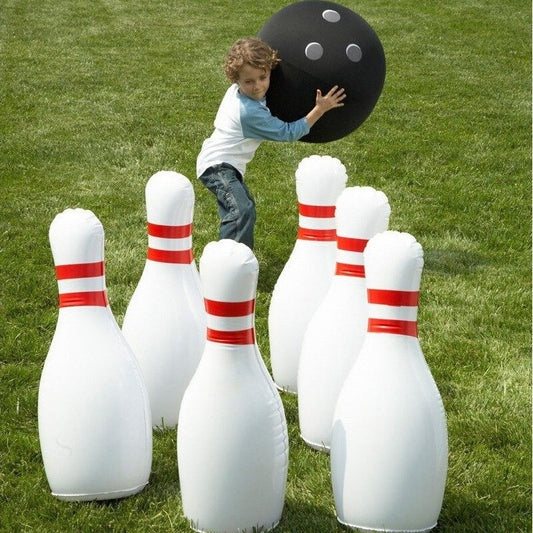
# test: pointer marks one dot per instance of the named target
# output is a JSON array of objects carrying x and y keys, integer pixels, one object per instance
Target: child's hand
[
  {"x": 325, "y": 103},
  {"x": 331, "y": 100}
]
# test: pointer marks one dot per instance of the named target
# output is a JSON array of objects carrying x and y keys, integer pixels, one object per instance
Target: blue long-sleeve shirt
[{"x": 241, "y": 124}]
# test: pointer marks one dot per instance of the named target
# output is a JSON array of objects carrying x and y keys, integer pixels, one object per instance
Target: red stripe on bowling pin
[
  {"x": 81, "y": 271},
  {"x": 316, "y": 212},
  {"x": 395, "y": 327},
  {"x": 230, "y": 310},
  {"x": 351, "y": 245},
  {"x": 241, "y": 337},
  {"x": 74, "y": 299},
  {"x": 348, "y": 244},
  {"x": 308, "y": 234},
  {"x": 182, "y": 257},
  {"x": 393, "y": 298},
  {"x": 346, "y": 269},
  {"x": 170, "y": 232}
]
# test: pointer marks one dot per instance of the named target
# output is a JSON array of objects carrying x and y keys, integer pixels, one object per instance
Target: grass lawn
[{"x": 95, "y": 97}]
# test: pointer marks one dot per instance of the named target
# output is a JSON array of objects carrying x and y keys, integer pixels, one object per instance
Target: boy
[{"x": 243, "y": 120}]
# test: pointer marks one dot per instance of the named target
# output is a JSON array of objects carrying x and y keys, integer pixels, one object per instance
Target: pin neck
[
  {"x": 312, "y": 220},
  {"x": 80, "y": 299},
  {"x": 230, "y": 323},
  {"x": 351, "y": 244},
  {"x": 178, "y": 257},
  {"x": 82, "y": 284},
  {"x": 394, "y": 327},
  {"x": 169, "y": 232},
  {"x": 393, "y": 297},
  {"x": 349, "y": 257},
  {"x": 80, "y": 270},
  {"x": 309, "y": 234},
  {"x": 170, "y": 244},
  {"x": 347, "y": 269},
  {"x": 393, "y": 312},
  {"x": 316, "y": 211},
  {"x": 240, "y": 337}
]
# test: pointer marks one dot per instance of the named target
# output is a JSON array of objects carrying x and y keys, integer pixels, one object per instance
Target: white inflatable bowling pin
[
  {"x": 306, "y": 276},
  {"x": 95, "y": 428},
  {"x": 389, "y": 444},
  {"x": 165, "y": 319},
  {"x": 336, "y": 331},
  {"x": 232, "y": 434}
]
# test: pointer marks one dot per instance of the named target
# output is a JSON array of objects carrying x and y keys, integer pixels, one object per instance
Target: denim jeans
[{"x": 236, "y": 207}]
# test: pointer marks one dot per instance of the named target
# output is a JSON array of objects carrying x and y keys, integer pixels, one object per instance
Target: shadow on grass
[
  {"x": 438, "y": 261},
  {"x": 270, "y": 266},
  {"x": 451, "y": 262},
  {"x": 464, "y": 513},
  {"x": 307, "y": 518}
]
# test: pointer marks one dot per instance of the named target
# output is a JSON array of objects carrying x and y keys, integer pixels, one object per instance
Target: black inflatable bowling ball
[{"x": 322, "y": 44}]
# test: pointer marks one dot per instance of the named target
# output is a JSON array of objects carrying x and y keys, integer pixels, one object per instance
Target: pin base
[
  {"x": 380, "y": 530},
  {"x": 320, "y": 447},
  {"x": 100, "y": 495},
  {"x": 252, "y": 529},
  {"x": 286, "y": 389}
]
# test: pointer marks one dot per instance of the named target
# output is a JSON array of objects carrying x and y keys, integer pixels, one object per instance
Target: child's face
[{"x": 253, "y": 82}]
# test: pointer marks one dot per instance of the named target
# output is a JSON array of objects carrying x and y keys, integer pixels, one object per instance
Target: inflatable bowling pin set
[{"x": 343, "y": 336}]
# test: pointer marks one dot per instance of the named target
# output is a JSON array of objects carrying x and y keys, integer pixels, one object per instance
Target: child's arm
[
  {"x": 258, "y": 123},
  {"x": 325, "y": 103}
]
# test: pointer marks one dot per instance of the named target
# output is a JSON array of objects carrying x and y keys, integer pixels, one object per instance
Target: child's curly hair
[{"x": 251, "y": 51}]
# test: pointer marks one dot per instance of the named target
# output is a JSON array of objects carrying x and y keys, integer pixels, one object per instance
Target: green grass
[{"x": 97, "y": 96}]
